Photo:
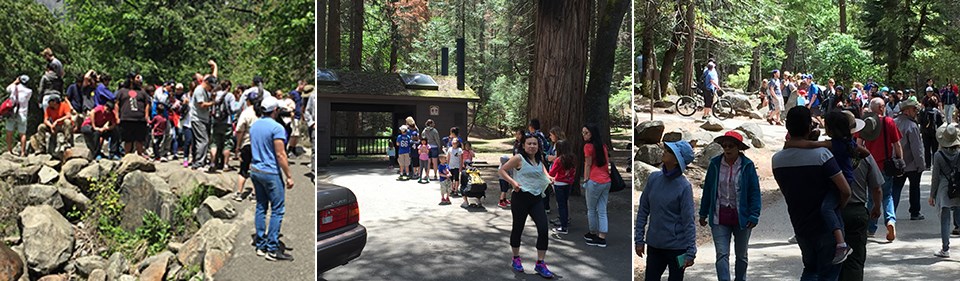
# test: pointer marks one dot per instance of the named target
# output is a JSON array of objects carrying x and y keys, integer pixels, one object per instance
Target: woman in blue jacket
[{"x": 731, "y": 203}]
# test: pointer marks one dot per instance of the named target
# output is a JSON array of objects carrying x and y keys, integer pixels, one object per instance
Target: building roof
[{"x": 391, "y": 84}]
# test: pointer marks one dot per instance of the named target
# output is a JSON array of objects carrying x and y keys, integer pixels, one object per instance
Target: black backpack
[
  {"x": 221, "y": 110},
  {"x": 953, "y": 177},
  {"x": 930, "y": 120}
]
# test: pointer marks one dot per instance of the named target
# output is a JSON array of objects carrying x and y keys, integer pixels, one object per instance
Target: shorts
[
  {"x": 504, "y": 186},
  {"x": 445, "y": 187},
  {"x": 777, "y": 103},
  {"x": 708, "y": 98},
  {"x": 434, "y": 152},
  {"x": 16, "y": 123},
  {"x": 133, "y": 131},
  {"x": 246, "y": 156},
  {"x": 455, "y": 173},
  {"x": 297, "y": 128},
  {"x": 404, "y": 160}
]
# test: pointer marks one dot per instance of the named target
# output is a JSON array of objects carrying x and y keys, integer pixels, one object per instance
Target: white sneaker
[{"x": 942, "y": 254}]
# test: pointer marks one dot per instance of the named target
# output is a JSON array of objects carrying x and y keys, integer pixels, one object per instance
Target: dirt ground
[{"x": 761, "y": 157}]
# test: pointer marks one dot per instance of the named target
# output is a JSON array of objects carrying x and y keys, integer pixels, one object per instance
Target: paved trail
[
  {"x": 299, "y": 230},
  {"x": 910, "y": 257}
]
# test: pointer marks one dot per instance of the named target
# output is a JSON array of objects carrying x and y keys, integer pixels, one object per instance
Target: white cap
[
  {"x": 24, "y": 79},
  {"x": 929, "y": 89},
  {"x": 403, "y": 128},
  {"x": 269, "y": 104}
]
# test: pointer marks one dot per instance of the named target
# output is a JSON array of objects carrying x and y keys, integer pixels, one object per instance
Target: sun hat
[
  {"x": 683, "y": 151},
  {"x": 908, "y": 103},
  {"x": 871, "y": 128},
  {"x": 855, "y": 124},
  {"x": 947, "y": 135},
  {"x": 732, "y": 136}
]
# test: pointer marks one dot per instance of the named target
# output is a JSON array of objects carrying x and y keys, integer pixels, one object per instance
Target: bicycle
[{"x": 688, "y": 105}]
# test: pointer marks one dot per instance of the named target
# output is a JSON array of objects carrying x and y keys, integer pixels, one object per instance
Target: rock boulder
[
  {"x": 649, "y": 132},
  {"x": 38, "y": 194},
  {"x": 48, "y": 238},
  {"x": 214, "y": 234},
  {"x": 649, "y": 153},
  {"x": 214, "y": 207},
  {"x": 713, "y": 124},
  {"x": 142, "y": 192},
  {"x": 11, "y": 266},
  {"x": 703, "y": 158}
]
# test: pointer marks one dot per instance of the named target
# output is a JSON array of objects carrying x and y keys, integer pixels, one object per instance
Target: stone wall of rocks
[{"x": 50, "y": 247}]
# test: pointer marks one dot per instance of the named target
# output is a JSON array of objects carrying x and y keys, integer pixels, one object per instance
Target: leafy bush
[{"x": 843, "y": 58}]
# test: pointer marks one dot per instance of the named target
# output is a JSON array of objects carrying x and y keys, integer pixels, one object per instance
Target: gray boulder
[
  {"x": 38, "y": 159},
  {"x": 214, "y": 207},
  {"x": 86, "y": 265},
  {"x": 38, "y": 194},
  {"x": 641, "y": 172},
  {"x": 752, "y": 130},
  {"x": 757, "y": 143},
  {"x": 117, "y": 265},
  {"x": 649, "y": 153},
  {"x": 27, "y": 174},
  {"x": 649, "y": 132},
  {"x": 214, "y": 234},
  {"x": 713, "y": 124},
  {"x": 47, "y": 175},
  {"x": 87, "y": 175},
  {"x": 98, "y": 275},
  {"x": 72, "y": 196},
  {"x": 740, "y": 102},
  {"x": 72, "y": 167},
  {"x": 677, "y": 135},
  {"x": 132, "y": 162},
  {"x": 142, "y": 192},
  {"x": 48, "y": 239},
  {"x": 703, "y": 158}
]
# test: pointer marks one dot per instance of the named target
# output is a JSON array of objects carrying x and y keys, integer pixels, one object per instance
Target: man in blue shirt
[
  {"x": 268, "y": 148},
  {"x": 712, "y": 82},
  {"x": 403, "y": 153},
  {"x": 813, "y": 98}
]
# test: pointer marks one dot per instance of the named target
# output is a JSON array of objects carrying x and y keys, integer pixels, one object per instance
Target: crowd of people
[
  {"x": 539, "y": 166},
  {"x": 835, "y": 190},
  {"x": 206, "y": 122}
]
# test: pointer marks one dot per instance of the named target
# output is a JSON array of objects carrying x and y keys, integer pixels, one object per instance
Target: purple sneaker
[
  {"x": 517, "y": 265},
  {"x": 542, "y": 270}
]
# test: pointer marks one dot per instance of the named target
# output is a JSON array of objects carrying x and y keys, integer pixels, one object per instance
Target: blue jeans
[
  {"x": 817, "y": 252},
  {"x": 830, "y": 211},
  {"x": 889, "y": 212},
  {"x": 563, "y": 194},
  {"x": 945, "y": 224},
  {"x": 187, "y": 142},
  {"x": 721, "y": 241},
  {"x": 269, "y": 190},
  {"x": 597, "y": 195}
]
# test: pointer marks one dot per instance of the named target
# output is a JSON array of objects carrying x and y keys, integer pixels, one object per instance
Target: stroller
[{"x": 474, "y": 186}]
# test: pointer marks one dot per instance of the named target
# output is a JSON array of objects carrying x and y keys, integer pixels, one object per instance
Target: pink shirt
[
  {"x": 729, "y": 180},
  {"x": 424, "y": 152},
  {"x": 598, "y": 174}
]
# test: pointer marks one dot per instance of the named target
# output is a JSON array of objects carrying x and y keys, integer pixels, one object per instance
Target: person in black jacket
[{"x": 930, "y": 119}]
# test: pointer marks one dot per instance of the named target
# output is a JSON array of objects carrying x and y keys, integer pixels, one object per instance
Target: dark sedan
[{"x": 340, "y": 236}]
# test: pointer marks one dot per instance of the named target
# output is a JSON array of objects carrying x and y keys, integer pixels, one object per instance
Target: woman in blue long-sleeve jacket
[{"x": 731, "y": 203}]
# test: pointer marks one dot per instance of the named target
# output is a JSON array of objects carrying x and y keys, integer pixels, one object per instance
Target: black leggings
[
  {"x": 524, "y": 204},
  {"x": 659, "y": 260}
]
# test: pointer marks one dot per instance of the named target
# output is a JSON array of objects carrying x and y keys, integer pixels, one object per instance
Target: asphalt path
[{"x": 410, "y": 237}]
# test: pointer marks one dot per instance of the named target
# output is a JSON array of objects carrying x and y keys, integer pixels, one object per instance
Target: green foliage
[
  {"x": 183, "y": 219},
  {"x": 841, "y": 57},
  {"x": 155, "y": 231},
  {"x": 620, "y": 105},
  {"x": 26, "y": 21},
  {"x": 507, "y": 108}
]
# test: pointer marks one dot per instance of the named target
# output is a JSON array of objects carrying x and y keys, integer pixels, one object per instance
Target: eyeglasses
[{"x": 585, "y": 133}]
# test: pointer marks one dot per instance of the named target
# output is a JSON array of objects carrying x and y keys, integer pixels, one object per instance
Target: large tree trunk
[
  {"x": 843, "y": 16},
  {"x": 791, "y": 51},
  {"x": 753, "y": 84},
  {"x": 602, "y": 62},
  {"x": 557, "y": 81},
  {"x": 690, "y": 20},
  {"x": 333, "y": 35},
  {"x": 646, "y": 50},
  {"x": 670, "y": 56},
  {"x": 356, "y": 35},
  {"x": 322, "y": 34}
]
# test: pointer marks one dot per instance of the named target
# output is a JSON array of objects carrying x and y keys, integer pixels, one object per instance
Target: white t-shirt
[
  {"x": 23, "y": 98},
  {"x": 456, "y": 156},
  {"x": 247, "y": 117}
]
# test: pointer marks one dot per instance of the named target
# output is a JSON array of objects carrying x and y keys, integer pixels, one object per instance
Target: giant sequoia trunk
[
  {"x": 333, "y": 35},
  {"x": 670, "y": 56},
  {"x": 557, "y": 82},
  {"x": 356, "y": 34},
  {"x": 646, "y": 67},
  {"x": 691, "y": 29},
  {"x": 322, "y": 33},
  {"x": 753, "y": 84},
  {"x": 601, "y": 62}
]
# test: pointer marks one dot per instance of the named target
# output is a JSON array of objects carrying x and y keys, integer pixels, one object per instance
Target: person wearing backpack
[
  {"x": 16, "y": 119},
  {"x": 221, "y": 123},
  {"x": 930, "y": 119},
  {"x": 945, "y": 183}
]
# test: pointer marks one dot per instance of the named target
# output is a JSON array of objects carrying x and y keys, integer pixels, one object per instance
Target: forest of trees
[
  {"x": 162, "y": 39},
  {"x": 516, "y": 52},
  {"x": 899, "y": 43}
]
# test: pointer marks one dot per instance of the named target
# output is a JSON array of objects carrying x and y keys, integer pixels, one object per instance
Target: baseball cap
[
  {"x": 269, "y": 104},
  {"x": 179, "y": 86},
  {"x": 929, "y": 89},
  {"x": 168, "y": 83},
  {"x": 775, "y": 71},
  {"x": 24, "y": 79}
]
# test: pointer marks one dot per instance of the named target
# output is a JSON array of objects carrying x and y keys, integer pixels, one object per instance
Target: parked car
[{"x": 340, "y": 236}]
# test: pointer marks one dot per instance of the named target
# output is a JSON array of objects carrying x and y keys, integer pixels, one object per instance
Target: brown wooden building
[{"x": 420, "y": 96}]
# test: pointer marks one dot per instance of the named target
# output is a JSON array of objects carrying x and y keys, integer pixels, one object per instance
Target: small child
[
  {"x": 504, "y": 185},
  {"x": 840, "y": 127},
  {"x": 403, "y": 144},
  {"x": 667, "y": 207},
  {"x": 456, "y": 163},
  {"x": 467, "y": 154},
  {"x": 563, "y": 170},
  {"x": 444, "y": 171},
  {"x": 392, "y": 154},
  {"x": 424, "y": 151},
  {"x": 159, "y": 123}
]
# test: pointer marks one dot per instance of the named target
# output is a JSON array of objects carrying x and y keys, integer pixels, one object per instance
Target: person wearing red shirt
[{"x": 882, "y": 139}]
